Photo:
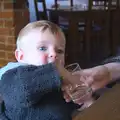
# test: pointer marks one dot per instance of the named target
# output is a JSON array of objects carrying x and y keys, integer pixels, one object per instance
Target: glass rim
[{"x": 73, "y": 64}]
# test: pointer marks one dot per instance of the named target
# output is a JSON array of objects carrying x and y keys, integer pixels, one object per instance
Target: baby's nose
[{"x": 53, "y": 56}]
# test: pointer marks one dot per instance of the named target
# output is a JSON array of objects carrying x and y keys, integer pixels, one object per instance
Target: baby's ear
[{"x": 19, "y": 55}]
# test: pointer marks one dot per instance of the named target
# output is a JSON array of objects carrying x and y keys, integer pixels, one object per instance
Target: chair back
[{"x": 41, "y": 15}]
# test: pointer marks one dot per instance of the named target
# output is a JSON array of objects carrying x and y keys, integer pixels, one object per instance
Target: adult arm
[
  {"x": 98, "y": 77},
  {"x": 106, "y": 73}
]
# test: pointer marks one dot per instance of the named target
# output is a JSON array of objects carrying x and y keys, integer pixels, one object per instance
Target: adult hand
[
  {"x": 72, "y": 85},
  {"x": 80, "y": 91},
  {"x": 96, "y": 78}
]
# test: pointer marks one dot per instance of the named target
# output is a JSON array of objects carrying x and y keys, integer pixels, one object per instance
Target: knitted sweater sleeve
[
  {"x": 3, "y": 116},
  {"x": 26, "y": 85}
]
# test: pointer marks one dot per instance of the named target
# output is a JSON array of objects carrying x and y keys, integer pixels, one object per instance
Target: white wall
[
  {"x": 49, "y": 3},
  {"x": 32, "y": 10}
]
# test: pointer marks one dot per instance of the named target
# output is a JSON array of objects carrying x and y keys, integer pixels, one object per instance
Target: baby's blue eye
[{"x": 43, "y": 48}]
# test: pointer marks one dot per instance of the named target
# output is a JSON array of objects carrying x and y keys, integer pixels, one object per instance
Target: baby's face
[{"x": 41, "y": 48}]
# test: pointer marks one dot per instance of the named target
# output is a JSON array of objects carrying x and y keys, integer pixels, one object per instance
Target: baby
[{"x": 31, "y": 87}]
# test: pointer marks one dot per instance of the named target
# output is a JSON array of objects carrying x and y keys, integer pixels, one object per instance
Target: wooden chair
[
  {"x": 98, "y": 42},
  {"x": 41, "y": 15},
  {"x": 96, "y": 33},
  {"x": 62, "y": 21},
  {"x": 115, "y": 31}
]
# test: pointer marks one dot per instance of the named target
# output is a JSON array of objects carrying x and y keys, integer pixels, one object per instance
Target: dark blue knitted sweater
[{"x": 33, "y": 93}]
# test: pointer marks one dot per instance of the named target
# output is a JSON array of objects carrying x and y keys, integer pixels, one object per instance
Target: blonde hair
[{"x": 44, "y": 25}]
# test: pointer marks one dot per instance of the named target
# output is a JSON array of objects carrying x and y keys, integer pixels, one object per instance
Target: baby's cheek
[{"x": 45, "y": 59}]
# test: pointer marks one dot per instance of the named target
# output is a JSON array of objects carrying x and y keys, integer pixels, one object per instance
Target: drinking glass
[{"x": 79, "y": 91}]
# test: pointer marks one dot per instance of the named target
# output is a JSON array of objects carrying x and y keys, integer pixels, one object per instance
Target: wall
[{"x": 13, "y": 16}]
